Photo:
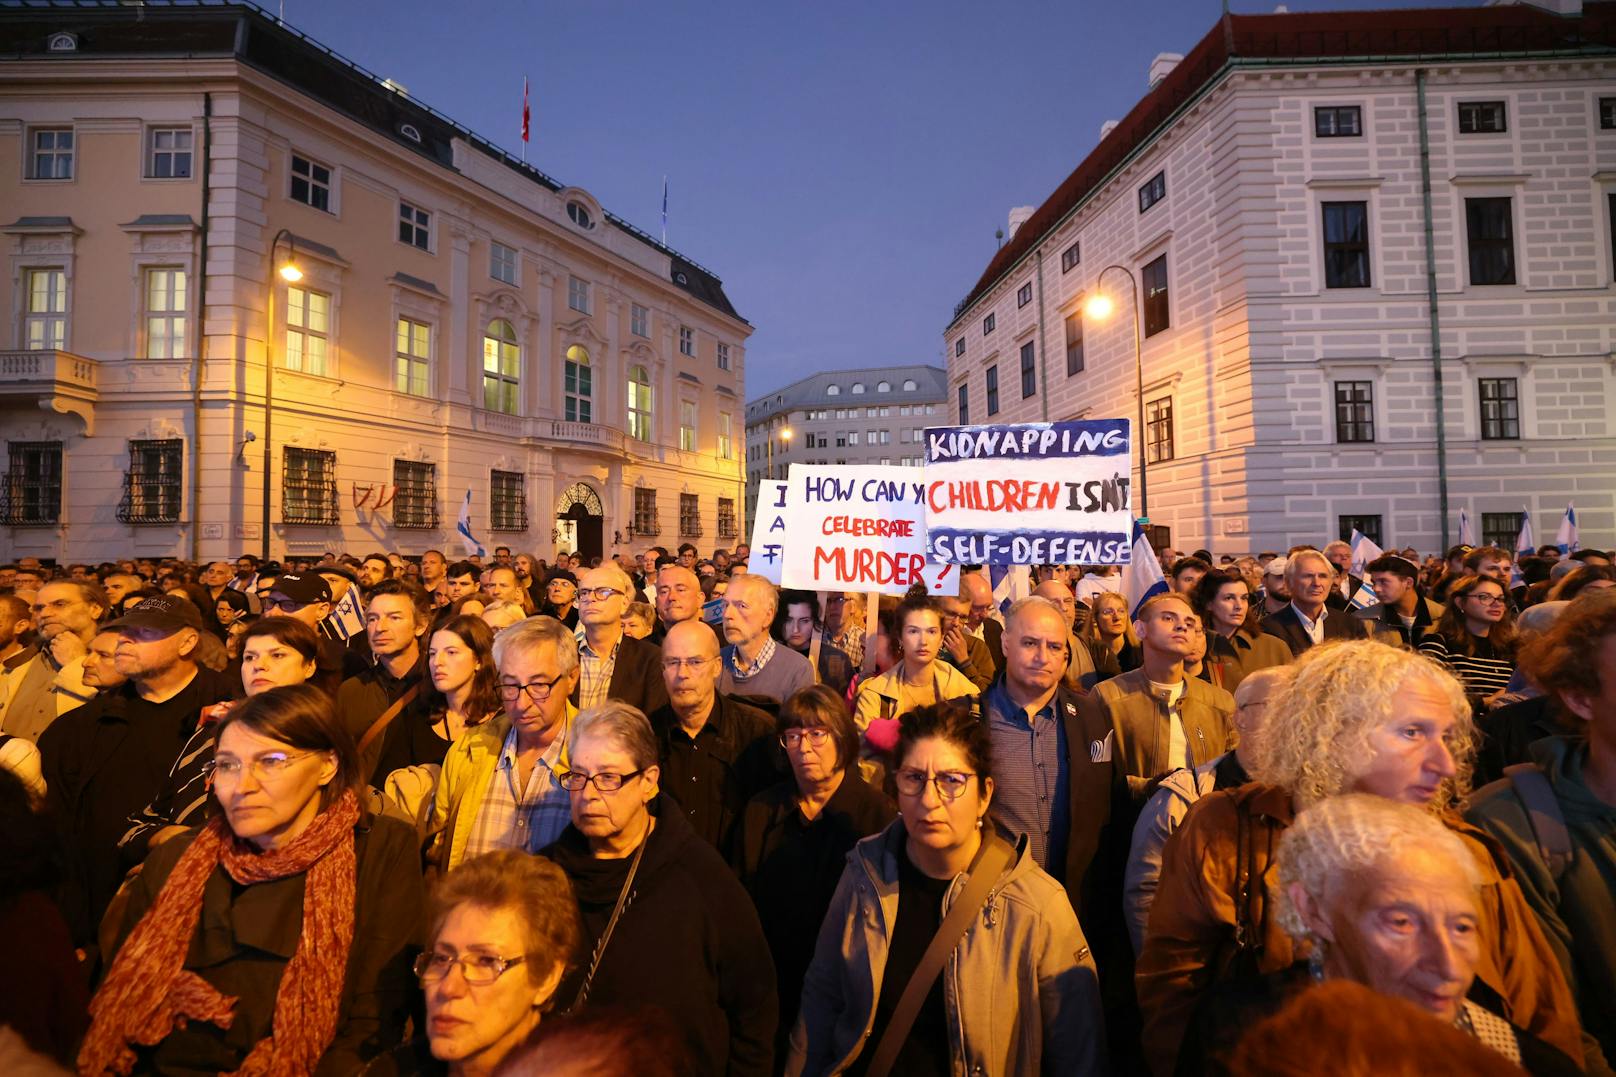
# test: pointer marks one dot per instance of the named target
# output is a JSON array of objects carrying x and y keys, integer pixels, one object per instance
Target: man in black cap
[
  {"x": 306, "y": 597},
  {"x": 561, "y": 597},
  {"x": 108, "y": 758}
]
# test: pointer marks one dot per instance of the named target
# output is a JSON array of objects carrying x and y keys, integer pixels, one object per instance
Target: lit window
[
  {"x": 308, "y": 329},
  {"x": 502, "y": 366},
  {"x": 168, "y": 153},
  {"x": 639, "y": 403},
  {"x": 726, "y": 436},
  {"x": 578, "y": 379},
  {"x": 45, "y": 324},
  {"x": 413, "y": 358},
  {"x": 165, "y": 313},
  {"x": 687, "y": 425}
]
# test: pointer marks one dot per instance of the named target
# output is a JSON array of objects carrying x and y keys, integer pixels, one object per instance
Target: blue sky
[{"x": 842, "y": 166}]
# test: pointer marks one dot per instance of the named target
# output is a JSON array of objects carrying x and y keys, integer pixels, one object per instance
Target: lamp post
[
  {"x": 1100, "y": 307},
  {"x": 785, "y": 436},
  {"x": 291, "y": 274}
]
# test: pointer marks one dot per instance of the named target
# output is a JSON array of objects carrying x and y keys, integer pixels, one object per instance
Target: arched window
[
  {"x": 502, "y": 367},
  {"x": 910, "y": 386},
  {"x": 833, "y": 390},
  {"x": 639, "y": 403},
  {"x": 578, "y": 389},
  {"x": 580, "y": 215},
  {"x": 858, "y": 388},
  {"x": 883, "y": 387}
]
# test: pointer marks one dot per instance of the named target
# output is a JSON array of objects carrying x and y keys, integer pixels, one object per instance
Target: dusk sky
[{"x": 841, "y": 166}]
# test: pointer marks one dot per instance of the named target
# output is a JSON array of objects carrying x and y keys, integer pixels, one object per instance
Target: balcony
[
  {"x": 55, "y": 380},
  {"x": 580, "y": 435}
]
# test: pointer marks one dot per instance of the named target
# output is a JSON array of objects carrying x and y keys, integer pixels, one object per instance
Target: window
[
  {"x": 1346, "y": 244},
  {"x": 853, "y": 437},
  {"x": 165, "y": 313},
  {"x": 726, "y": 518},
  {"x": 579, "y": 214},
  {"x": 1074, "y": 342},
  {"x": 1029, "y": 369},
  {"x": 1153, "y": 191},
  {"x": 1154, "y": 279},
  {"x": 1492, "y": 246},
  {"x": 1024, "y": 295},
  {"x": 1159, "y": 430},
  {"x": 687, "y": 425},
  {"x": 1500, "y": 529},
  {"x": 639, "y": 403},
  {"x": 639, "y": 321},
  {"x": 507, "y": 501},
  {"x": 833, "y": 390},
  {"x": 51, "y": 156},
  {"x": 33, "y": 490},
  {"x": 689, "y": 516},
  {"x": 723, "y": 357},
  {"x": 414, "y": 226},
  {"x": 502, "y": 367},
  {"x": 45, "y": 324},
  {"x": 959, "y": 346},
  {"x": 1367, "y": 526},
  {"x": 858, "y": 390},
  {"x": 168, "y": 153},
  {"x": 910, "y": 385},
  {"x": 964, "y": 406},
  {"x": 1481, "y": 117},
  {"x": 1338, "y": 121},
  {"x": 415, "y": 502},
  {"x": 308, "y": 330},
  {"x": 687, "y": 341},
  {"x": 993, "y": 389},
  {"x": 502, "y": 262},
  {"x": 308, "y": 486},
  {"x": 883, "y": 387},
  {"x": 1500, "y": 409},
  {"x": 311, "y": 183},
  {"x": 151, "y": 486},
  {"x": 578, "y": 386},
  {"x": 413, "y": 358},
  {"x": 1071, "y": 256},
  {"x": 987, "y": 325},
  {"x": 1607, "y": 113},
  {"x": 645, "y": 512},
  {"x": 1354, "y": 411},
  {"x": 726, "y": 436},
  {"x": 578, "y": 295}
]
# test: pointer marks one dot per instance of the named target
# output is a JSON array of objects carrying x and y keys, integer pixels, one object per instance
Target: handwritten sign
[
  {"x": 769, "y": 531},
  {"x": 859, "y": 528},
  {"x": 1029, "y": 493}
]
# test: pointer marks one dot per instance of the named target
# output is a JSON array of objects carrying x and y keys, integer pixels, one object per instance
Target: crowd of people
[{"x": 653, "y": 814}]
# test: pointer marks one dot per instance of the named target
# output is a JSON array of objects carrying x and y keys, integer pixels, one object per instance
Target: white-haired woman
[{"x": 1356, "y": 717}]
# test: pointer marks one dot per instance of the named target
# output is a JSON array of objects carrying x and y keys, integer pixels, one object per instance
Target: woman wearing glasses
[
  {"x": 1017, "y": 992},
  {"x": 277, "y": 938},
  {"x": 794, "y": 838},
  {"x": 666, "y": 924},
  {"x": 1475, "y": 638}
]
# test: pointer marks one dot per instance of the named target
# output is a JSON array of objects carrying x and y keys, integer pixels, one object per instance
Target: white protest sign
[
  {"x": 769, "y": 531},
  {"x": 859, "y": 528},
  {"x": 1029, "y": 493}
]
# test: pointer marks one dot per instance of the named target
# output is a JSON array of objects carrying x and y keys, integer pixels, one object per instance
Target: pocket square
[{"x": 1100, "y": 750}]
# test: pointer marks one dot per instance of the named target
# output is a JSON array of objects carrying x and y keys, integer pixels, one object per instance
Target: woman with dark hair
[
  {"x": 794, "y": 837},
  {"x": 1475, "y": 638},
  {"x": 233, "y": 612},
  {"x": 1236, "y": 646},
  {"x": 1019, "y": 995},
  {"x": 462, "y": 692},
  {"x": 918, "y": 679},
  {"x": 275, "y": 939},
  {"x": 1578, "y": 580}
]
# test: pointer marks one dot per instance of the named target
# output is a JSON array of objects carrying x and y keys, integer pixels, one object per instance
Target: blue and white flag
[
  {"x": 1467, "y": 530},
  {"x": 1011, "y": 584},
  {"x": 463, "y": 526},
  {"x": 1524, "y": 544},
  {"x": 1142, "y": 576},
  {"x": 347, "y": 618},
  {"x": 1566, "y": 537},
  {"x": 1363, "y": 551}
]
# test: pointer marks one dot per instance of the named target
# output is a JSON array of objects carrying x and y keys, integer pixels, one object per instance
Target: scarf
[{"x": 149, "y": 992}]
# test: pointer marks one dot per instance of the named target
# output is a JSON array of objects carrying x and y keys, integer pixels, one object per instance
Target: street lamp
[
  {"x": 1100, "y": 307},
  {"x": 785, "y": 437},
  {"x": 291, "y": 274}
]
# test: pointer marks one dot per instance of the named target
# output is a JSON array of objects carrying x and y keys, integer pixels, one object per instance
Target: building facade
[
  {"x": 461, "y": 322},
  {"x": 869, "y": 416},
  {"x": 1263, "y": 218}
]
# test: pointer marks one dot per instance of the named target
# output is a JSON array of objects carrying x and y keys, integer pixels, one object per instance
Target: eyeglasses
[
  {"x": 793, "y": 737},
  {"x": 597, "y": 594},
  {"x": 266, "y": 768},
  {"x": 1489, "y": 599},
  {"x": 950, "y": 783},
  {"x": 537, "y": 691},
  {"x": 691, "y": 665},
  {"x": 479, "y": 970},
  {"x": 286, "y": 605},
  {"x": 574, "y": 781}
]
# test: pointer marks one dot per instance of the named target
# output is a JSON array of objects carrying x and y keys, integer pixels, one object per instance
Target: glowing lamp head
[
  {"x": 290, "y": 273},
  {"x": 1099, "y": 307},
  {"x": 786, "y": 434}
]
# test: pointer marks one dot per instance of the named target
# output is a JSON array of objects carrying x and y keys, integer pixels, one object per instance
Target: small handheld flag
[
  {"x": 347, "y": 617},
  {"x": 1467, "y": 530},
  {"x": 463, "y": 527},
  {"x": 1566, "y": 537},
  {"x": 1142, "y": 576},
  {"x": 1011, "y": 584},
  {"x": 1363, "y": 552},
  {"x": 1525, "y": 544}
]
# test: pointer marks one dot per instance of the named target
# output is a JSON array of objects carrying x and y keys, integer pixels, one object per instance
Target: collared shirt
[
  {"x": 595, "y": 672},
  {"x": 713, "y": 774},
  {"x": 1032, "y": 787},
  {"x": 1314, "y": 629},
  {"x": 740, "y": 672},
  {"x": 529, "y": 818}
]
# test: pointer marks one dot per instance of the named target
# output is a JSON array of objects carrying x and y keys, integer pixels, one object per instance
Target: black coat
[
  {"x": 1338, "y": 624},
  {"x": 688, "y": 943},
  {"x": 637, "y": 676},
  {"x": 738, "y": 758}
]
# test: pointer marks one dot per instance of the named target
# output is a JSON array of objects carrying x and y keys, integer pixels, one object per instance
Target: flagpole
[{"x": 524, "y": 119}]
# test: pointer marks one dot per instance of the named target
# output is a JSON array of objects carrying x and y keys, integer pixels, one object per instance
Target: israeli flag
[
  {"x": 1363, "y": 552},
  {"x": 1524, "y": 544},
  {"x": 1566, "y": 537},
  {"x": 1467, "y": 529},
  {"x": 1142, "y": 576},
  {"x": 347, "y": 617},
  {"x": 463, "y": 526},
  {"x": 1011, "y": 583}
]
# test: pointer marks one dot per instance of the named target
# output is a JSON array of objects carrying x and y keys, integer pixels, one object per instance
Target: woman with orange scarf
[{"x": 277, "y": 939}]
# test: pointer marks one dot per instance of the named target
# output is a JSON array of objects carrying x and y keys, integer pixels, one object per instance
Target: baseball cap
[
  {"x": 1276, "y": 567},
  {"x": 303, "y": 588},
  {"x": 167, "y": 613}
]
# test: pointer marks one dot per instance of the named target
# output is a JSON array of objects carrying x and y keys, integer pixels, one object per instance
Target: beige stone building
[{"x": 462, "y": 322}]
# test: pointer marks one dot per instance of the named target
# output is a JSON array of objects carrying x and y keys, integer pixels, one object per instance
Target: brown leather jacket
[
  {"x": 1221, "y": 861},
  {"x": 1139, "y": 721}
]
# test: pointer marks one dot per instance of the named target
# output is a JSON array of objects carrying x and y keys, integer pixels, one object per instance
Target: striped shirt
[
  {"x": 528, "y": 819},
  {"x": 1482, "y": 674}
]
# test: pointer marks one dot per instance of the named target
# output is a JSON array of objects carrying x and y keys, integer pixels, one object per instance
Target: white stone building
[
  {"x": 463, "y": 321},
  {"x": 1268, "y": 195}
]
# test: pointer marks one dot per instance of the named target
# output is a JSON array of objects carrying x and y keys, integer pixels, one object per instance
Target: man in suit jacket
[
  {"x": 980, "y": 621},
  {"x": 1339, "y": 554},
  {"x": 611, "y": 663},
  {"x": 1308, "y": 620}
]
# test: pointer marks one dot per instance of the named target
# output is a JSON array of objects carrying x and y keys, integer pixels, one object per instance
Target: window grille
[
  {"x": 507, "y": 501},
  {"x": 415, "y": 500},
  {"x": 33, "y": 488},
  {"x": 152, "y": 485},
  {"x": 309, "y": 487}
]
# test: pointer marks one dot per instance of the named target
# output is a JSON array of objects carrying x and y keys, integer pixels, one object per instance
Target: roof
[
  {"x": 931, "y": 387},
  {"x": 1481, "y": 33},
  {"x": 180, "y": 29}
]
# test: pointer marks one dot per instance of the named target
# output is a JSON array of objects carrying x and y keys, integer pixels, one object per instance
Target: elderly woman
[
  {"x": 918, "y": 679},
  {"x": 666, "y": 922},
  {"x": 1363, "y": 717},
  {"x": 794, "y": 837},
  {"x": 1236, "y": 646},
  {"x": 1020, "y": 994},
  {"x": 277, "y": 938}
]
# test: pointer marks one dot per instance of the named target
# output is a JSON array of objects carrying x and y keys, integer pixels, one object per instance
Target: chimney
[
  {"x": 1107, "y": 127},
  {"x": 1162, "y": 66},
  {"x": 1018, "y": 217}
]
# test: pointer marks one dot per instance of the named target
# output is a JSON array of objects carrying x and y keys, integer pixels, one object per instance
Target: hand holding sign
[{"x": 859, "y": 528}]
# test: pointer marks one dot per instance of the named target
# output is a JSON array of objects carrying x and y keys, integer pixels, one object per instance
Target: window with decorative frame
[
  {"x": 1500, "y": 529},
  {"x": 1482, "y": 118},
  {"x": 309, "y": 486},
  {"x": 308, "y": 329},
  {"x": 502, "y": 368},
  {"x": 645, "y": 511},
  {"x": 415, "y": 498},
  {"x": 578, "y": 386},
  {"x": 726, "y": 518},
  {"x": 45, "y": 319},
  {"x": 689, "y": 516},
  {"x": 1159, "y": 429},
  {"x": 507, "y": 501},
  {"x": 1354, "y": 412},
  {"x": 33, "y": 489},
  {"x": 1338, "y": 121},
  {"x": 412, "y": 359},
  {"x": 1500, "y": 408},
  {"x": 152, "y": 485},
  {"x": 165, "y": 298},
  {"x": 639, "y": 403}
]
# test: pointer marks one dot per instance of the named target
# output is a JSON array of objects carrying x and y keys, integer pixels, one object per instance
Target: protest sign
[
  {"x": 769, "y": 531},
  {"x": 859, "y": 528},
  {"x": 1029, "y": 493}
]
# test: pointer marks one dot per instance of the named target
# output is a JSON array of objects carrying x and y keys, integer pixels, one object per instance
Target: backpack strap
[{"x": 1543, "y": 815}]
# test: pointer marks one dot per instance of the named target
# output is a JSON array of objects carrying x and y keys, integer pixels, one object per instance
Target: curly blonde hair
[
  {"x": 1349, "y": 835},
  {"x": 1317, "y": 733}
]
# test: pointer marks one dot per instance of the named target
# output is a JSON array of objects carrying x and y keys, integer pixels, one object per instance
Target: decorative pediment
[
  {"x": 642, "y": 351},
  {"x": 582, "y": 329}
]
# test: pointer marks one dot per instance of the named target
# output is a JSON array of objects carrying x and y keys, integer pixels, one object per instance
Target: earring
[{"x": 979, "y": 822}]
